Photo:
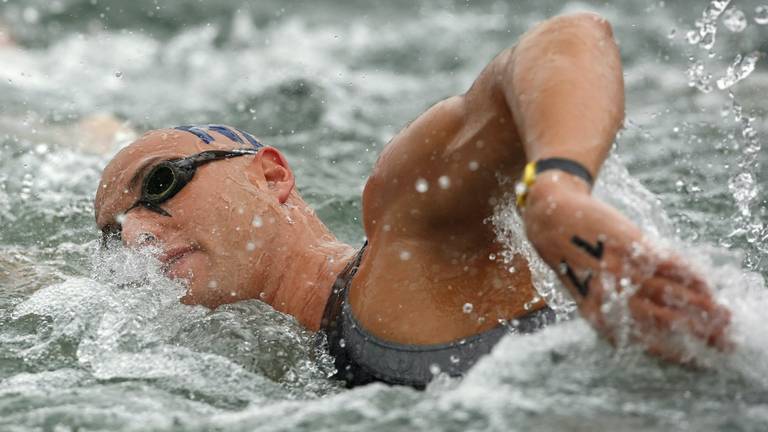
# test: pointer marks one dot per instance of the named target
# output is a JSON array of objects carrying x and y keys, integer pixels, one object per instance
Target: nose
[{"x": 141, "y": 228}]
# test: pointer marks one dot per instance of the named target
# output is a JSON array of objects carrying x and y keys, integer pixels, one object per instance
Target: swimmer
[{"x": 422, "y": 294}]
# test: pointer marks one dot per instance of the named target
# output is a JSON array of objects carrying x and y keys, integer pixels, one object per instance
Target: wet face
[{"x": 220, "y": 224}]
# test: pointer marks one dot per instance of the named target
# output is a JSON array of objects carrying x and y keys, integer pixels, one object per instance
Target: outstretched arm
[
  {"x": 567, "y": 97},
  {"x": 558, "y": 93}
]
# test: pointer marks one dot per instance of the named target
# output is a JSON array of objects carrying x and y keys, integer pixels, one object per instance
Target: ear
[{"x": 275, "y": 172}]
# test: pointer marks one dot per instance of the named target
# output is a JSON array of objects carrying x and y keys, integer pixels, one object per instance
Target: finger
[
  {"x": 664, "y": 292},
  {"x": 705, "y": 314},
  {"x": 675, "y": 269},
  {"x": 652, "y": 318}
]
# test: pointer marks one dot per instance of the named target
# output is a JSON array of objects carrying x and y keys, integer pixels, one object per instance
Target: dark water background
[{"x": 329, "y": 83}]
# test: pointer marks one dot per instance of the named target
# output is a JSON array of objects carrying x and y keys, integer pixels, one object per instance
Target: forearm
[
  {"x": 584, "y": 240},
  {"x": 564, "y": 86}
]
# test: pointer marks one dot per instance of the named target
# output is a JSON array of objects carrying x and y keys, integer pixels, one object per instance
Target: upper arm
[
  {"x": 559, "y": 92},
  {"x": 441, "y": 170}
]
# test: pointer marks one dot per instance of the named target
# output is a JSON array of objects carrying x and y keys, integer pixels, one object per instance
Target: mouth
[{"x": 173, "y": 256}]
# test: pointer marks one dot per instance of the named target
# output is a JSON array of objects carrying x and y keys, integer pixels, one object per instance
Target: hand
[
  {"x": 667, "y": 306},
  {"x": 604, "y": 260}
]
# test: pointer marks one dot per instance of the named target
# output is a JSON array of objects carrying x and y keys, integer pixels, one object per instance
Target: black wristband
[{"x": 567, "y": 165}]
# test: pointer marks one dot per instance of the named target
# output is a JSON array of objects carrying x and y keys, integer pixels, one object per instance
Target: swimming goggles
[{"x": 165, "y": 179}]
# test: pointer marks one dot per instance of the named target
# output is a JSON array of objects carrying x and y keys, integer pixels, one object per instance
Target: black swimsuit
[{"x": 362, "y": 358}]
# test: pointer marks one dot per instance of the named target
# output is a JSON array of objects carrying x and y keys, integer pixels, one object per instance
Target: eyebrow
[{"x": 141, "y": 171}]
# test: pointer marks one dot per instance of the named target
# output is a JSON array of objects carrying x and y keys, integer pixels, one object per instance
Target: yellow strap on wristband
[{"x": 525, "y": 183}]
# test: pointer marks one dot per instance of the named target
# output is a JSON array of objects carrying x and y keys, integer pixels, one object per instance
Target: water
[{"x": 82, "y": 348}]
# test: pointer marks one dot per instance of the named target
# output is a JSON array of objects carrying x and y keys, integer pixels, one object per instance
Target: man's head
[{"x": 216, "y": 229}]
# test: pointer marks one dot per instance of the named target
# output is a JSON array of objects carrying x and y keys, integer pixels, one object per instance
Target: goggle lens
[{"x": 160, "y": 182}]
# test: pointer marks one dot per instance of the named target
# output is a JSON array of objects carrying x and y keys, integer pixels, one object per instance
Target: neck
[{"x": 306, "y": 268}]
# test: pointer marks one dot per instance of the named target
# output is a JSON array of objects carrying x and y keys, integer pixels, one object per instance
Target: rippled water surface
[{"x": 329, "y": 83}]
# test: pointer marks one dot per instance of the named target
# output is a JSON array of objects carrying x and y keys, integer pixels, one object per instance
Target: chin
[{"x": 202, "y": 292}]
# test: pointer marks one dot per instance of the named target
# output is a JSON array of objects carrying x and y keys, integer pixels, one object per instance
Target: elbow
[{"x": 586, "y": 23}]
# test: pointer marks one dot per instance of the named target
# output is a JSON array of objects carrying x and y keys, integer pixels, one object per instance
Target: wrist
[
  {"x": 543, "y": 170},
  {"x": 550, "y": 186}
]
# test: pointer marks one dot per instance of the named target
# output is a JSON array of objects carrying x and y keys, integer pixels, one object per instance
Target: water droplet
[
  {"x": 118, "y": 74},
  {"x": 250, "y": 246},
  {"x": 120, "y": 218},
  {"x": 455, "y": 359},
  {"x": 422, "y": 185},
  {"x": 672, "y": 33},
  {"x": 467, "y": 308},
  {"x": 405, "y": 255},
  {"x": 257, "y": 222},
  {"x": 473, "y": 165},
  {"x": 735, "y": 20},
  {"x": 492, "y": 257},
  {"x": 262, "y": 295},
  {"x": 434, "y": 369},
  {"x": 761, "y": 15},
  {"x": 213, "y": 284},
  {"x": 444, "y": 182},
  {"x": 342, "y": 343}
]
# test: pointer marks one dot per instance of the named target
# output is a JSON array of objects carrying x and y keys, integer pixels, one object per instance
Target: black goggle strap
[{"x": 212, "y": 155}]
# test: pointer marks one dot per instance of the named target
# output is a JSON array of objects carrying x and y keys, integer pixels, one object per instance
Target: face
[{"x": 215, "y": 233}]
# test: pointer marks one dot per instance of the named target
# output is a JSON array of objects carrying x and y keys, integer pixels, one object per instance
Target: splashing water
[
  {"x": 698, "y": 77},
  {"x": 705, "y": 33},
  {"x": 738, "y": 70},
  {"x": 83, "y": 348}
]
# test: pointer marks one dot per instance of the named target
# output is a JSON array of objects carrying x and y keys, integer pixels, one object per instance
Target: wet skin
[{"x": 558, "y": 93}]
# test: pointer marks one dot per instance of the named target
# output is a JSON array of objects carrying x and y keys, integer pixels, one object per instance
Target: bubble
[
  {"x": 434, "y": 369},
  {"x": 473, "y": 165},
  {"x": 120, "y": 218},
  {"x": 422, "y": 185},
  {"x": 250, "y": 246},
  {"x": 118, "y": 74},
  {"x": 30, "y": 15},
  {"x": 455, "y": 359},
  {"x": 405, "y": 255},
  {"x": 672, "y": 33},
  {"x": 342, "y": 343},
  {"x": 467, "y": 308},
  {"x": 444, "y": 182},
  {"x": 761, "y": 15},
  {"x": 257, "y": 222},
  {"x": 41, "y": 149},
  {"x": 735, "y": 20},
  {"x": 213, "y": 284}
]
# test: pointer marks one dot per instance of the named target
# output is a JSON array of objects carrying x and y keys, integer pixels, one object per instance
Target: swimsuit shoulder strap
[{"x": 338, "y": 293}]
